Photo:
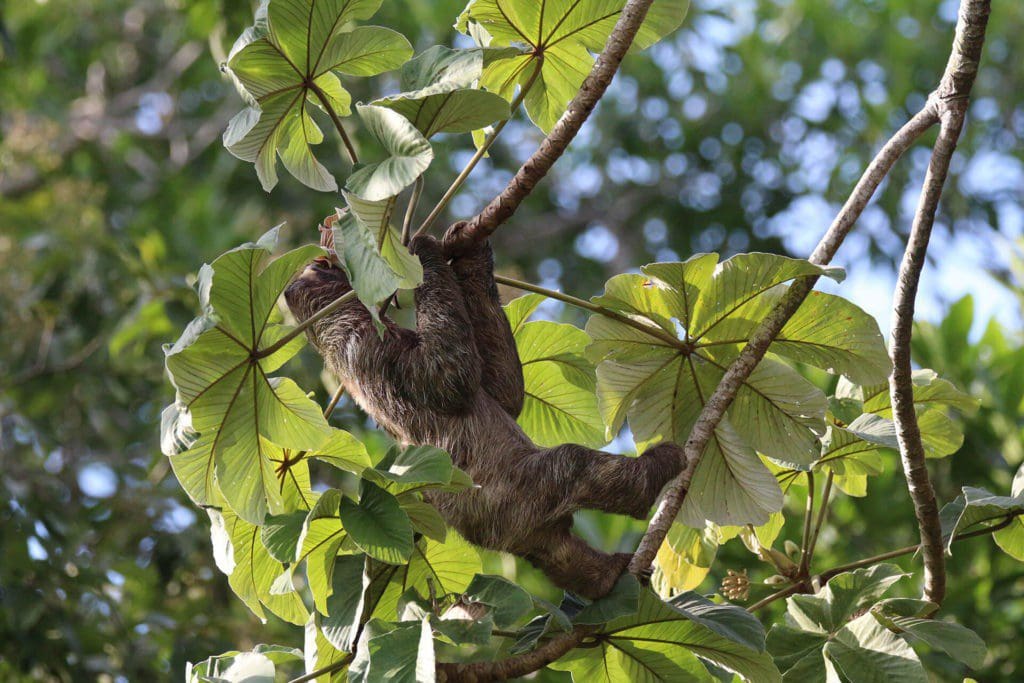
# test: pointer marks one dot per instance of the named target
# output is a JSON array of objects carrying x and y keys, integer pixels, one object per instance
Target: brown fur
[{"x": 456, "y": 383}]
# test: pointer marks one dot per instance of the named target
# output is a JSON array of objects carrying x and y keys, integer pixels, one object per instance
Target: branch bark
[
  {"x": 950, "y": 104},
  {"x": 554, "y": 145}
]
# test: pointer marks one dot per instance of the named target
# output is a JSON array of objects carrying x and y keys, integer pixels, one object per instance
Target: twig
[
  {"x": 410, "y": 209},
  {"x": 329, "y": 669},
  {"x": 482, "y": 151},
  {"x": 950, "y": 104},
  {"x": 651, "y": 330},
  {"x": 512, "y": 667},
  {"x": 306, "y": 324},
  {"x": 805, "y": 540},
  {"x": 337, "y": 122},
  {"x": 554, "y": 145}
]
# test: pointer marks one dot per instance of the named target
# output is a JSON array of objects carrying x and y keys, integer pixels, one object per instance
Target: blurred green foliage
[{"x": 114, "y": 189}]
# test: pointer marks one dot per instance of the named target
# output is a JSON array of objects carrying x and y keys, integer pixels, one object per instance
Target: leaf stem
[
  {"x": 410, "y": 209},
  {"x": 320, "y": 95},
  {"x": 481, "y": 152},
  {"x": 306, "y": 324},
  {"x": 329, "y": 669},
  {"x": 651, "y": 330},
  {"x": 822, "y": 512},
  {"x": 805, "y": 542}
]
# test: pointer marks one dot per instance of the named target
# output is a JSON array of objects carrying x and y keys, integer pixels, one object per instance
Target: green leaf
[
  {"x": 728, "y": 621},
  {"x": 287, "y": 63},
  {"x": 448, "y": 567},
  {"x": 438, "y": 93},
  {"x": 243, "y": 415},
  {"x": 519, "y": 309},
  {"x": 280, "y": 535},
  {"x": 319, "y": 544},
  {"x": 255, "y": 571},
  {"x": 424, "y": 517},
  {"x": 411, "y": 466},
  {"x": 731, "y": 486},
  {"x": 560, "y": 405},
  {"x": 404, "y": 654},
  {"x": 344, "y": 451},
  {"x": 906, "y": 617},
  {"x": 377, "y": 524},
  {"x": 507, "y": 601},
  {"x": 409, "y": 155},
  {"x": 318, "y": 651},
  {"x": 684, "y": 559},
  {"x": 978, "y": 509},
  {"x": 864, "y": 650},
  {"x": 560, "y": 37},
  {"x": 345, "y": 604},
  {"x": 818, "y": 637},
  {"x": 661, "y": 643},
  {"x": 621, "y": 601}
]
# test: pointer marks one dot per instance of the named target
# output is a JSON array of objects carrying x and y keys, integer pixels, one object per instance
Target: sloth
[{"x": 456, "y": 383}]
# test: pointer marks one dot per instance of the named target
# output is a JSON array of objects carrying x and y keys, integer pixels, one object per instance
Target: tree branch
[
  {"x": 950, "y": 104},
  {"x": 512, "y": 667},
  {"x": 762, "y": 337},
  {"x": 554, "y": 145}
]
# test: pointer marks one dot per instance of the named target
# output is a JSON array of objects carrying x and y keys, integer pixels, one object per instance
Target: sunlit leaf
[
  {"x": 560, "y": 37},
  {"x": 285, "y": 64}
]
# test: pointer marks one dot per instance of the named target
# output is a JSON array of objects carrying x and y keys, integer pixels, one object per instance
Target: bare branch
[
  {"x": 554, "y": 145},
  {"x": 950, "y": 102},
  {"x": 511, "y": 667}
]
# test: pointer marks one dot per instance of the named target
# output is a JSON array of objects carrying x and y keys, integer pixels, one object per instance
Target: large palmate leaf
[
  {"x": 560, "y": 405},
  {"x": 818, "y": 638},
  {"x": 438, "y": 93},
  {"x": 253, "y": 570},
  {"x": 697, "y": 315},
  {"x": 289, "y": 60},
  {"x": 220, "y": 369},
  {"x": 560, "y": 36},
  {"x": 662, "y": 642}
]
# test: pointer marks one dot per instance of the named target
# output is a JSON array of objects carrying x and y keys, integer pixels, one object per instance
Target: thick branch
[
  {"x": 950, "y": 101},
  {"x": 554, "y": 145}
]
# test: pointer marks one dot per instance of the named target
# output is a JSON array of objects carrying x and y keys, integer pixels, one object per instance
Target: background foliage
[{"x": 731, "y": 136}]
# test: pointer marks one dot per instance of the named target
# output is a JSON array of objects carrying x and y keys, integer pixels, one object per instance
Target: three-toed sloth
[{"x": 456, "y": 383}]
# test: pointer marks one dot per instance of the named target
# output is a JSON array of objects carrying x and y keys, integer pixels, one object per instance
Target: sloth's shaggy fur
[{"x": 456, "y": 383}]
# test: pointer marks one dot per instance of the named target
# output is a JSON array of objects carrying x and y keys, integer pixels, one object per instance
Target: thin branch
[
  {"x": 410, "y": 209},
  {"x": 320, "y": 95},
  {"x": 875, "y": 559},
  {"x": 482, "y": 151},
  {"x": 306, "y": 324},
  {"x": 805, "y": 540},
  {"x": 770, "y": 327},
  {"x": 950, "y": 103},
  {"x": 651, "y": 330},
  {"x": 331, "y": 668},
  {"x": 554, "y": 145}
]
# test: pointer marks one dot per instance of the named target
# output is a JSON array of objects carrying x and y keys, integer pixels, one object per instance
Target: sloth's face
[{"x": 320, "y": 283}]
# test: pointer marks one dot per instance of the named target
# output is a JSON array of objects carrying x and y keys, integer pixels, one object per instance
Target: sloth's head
[{"x": 320, "y": 283}]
